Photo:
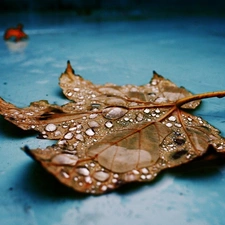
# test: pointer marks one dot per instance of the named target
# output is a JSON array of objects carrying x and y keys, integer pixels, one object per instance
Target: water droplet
[
  {"x": 65, "y": 159},
  {"x": 93, "y": 124},
  {"x": 101, "y": 176},
  {"x": 90, "y": 132},
  {"x": 172, "y": 118},
  {"x": 79, "y": 137},
  {"x": 62, "y": 142},
  {"x": 113, "y": 113},
  {"x": 139, "y": 117},
  {"x": 92, "y": 116},
  {"x": 177, "y": 125},
  {"x": 157, "y": 111},
  {"x": 146, "y": 111},
  {"x": 109, "y": 124},
  {"x": 72, "y": 128},
  {"x": 144, "y": 170},
  {"x": 65, "y": 174},
  {"x": 76, "y": 89},
  {"x": 69, "y": 94},
  {"x": 57, "y": 133},
  {"x": 50, "y": 127},
  {"x": 88, "y": 180},
  {"x": 68, "y": 136},
  {"x": 104, "y": 188},
  {"x": 169, "y": 124},
  {"x": 83, "y": 171}
]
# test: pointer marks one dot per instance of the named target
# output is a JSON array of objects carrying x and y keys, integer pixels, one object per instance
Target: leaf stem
[{"x": 218, "y": 94}]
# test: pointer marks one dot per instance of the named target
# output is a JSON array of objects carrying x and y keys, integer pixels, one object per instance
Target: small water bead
[
  {"x": 178, "y": 125},
  {"x": 69, "y": 94},
  {"x": 157, "y": 111},
  {"x": 169, "y": 124},
  {"x": 93, "y": 116},
  {"x": 144, "y": 170},
  {"x": 139, "y": 117},
  {"x": 62, "y": 142},
  {"x": 113, "y": 113},
  {"x": 146, "y": 111},
  {"x": 172, "y": 118},
  {"x": 79, "y": 137},
  {"x": 109, "y": 124},
  {"x": 65, "y": 159},
  {"x": 50, "y": 127},
  {"x": 90, "y": 132},
  {"x": 65, "y": 174},
  {"x": 72, "y": 128},
  {"x": 101, "y": 176},
  {"x": 76, "y": 89},
  {"x": 68, "y": 136},
  {"x": 83, "y": 171},
  {"x": 88, "y": 179},
  {"x": 93, "y": 124},
  {"x": 104, "y": 188}
]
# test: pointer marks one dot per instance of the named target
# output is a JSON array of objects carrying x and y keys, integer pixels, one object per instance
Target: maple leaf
[{"x": 109, "y": 135}]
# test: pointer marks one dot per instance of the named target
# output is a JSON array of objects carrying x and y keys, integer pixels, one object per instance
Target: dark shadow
[
  {"x": 12, "y": 131},
  {"x": 39, "y": 183}
]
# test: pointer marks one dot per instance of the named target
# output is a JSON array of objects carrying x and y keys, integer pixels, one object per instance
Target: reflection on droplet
[
  {"x": 65, "y": 159},
  {"x": 76, "y": 89},
  {"x": 90, "y": 132},
  {"x": 93, "y": 124},
  {"x": 109, "y": 124},
  {"x": 79, "y": 137},
  {"x": 113, "y": 113},
  {"x": 83, "y": 171},
  {"x": 169, "y": 124},
  {"x": 101, "y": 176},
  {"x": 146, "y": 111},
  {"x": 172, "y": 118},
  {"x": 68, "y": 136},
  {"x": 50, "y": 127},
  {"x": 139, "y": 117}
]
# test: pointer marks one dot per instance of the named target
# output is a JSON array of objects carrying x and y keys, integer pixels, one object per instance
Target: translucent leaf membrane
[{"x": 109, "y": 135}]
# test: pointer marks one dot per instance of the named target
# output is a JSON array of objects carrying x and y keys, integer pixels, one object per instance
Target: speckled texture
[{"x": 190, "y": 52}]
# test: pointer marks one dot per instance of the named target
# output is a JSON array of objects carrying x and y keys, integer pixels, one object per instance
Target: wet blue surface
[{"x": 188, "y": 51}]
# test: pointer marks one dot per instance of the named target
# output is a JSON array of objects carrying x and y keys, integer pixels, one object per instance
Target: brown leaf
[{"x": 109, "y": 135}]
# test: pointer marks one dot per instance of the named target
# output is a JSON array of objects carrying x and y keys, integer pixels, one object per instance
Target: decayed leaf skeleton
[{"x": 109, "y": 135}]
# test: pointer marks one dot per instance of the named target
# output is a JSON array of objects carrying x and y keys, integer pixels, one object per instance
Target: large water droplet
[
  {"x": 114, "y": 113},
  {"x": 101, "y": 176},
  {"x": 68, "y": 136},
  {"x": 50, "y": 127},
  {"x": 83, "y": 171},
  {"x": 93, "y": 124},
  {"x": 65, "y": 159},
  {"x": 90, "y": 132}
]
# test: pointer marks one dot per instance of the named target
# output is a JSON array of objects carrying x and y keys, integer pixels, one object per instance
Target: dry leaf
[{"x": 109, "y": 135}]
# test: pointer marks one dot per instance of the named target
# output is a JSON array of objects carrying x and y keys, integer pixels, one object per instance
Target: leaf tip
[{"x": 69, "y": 68}]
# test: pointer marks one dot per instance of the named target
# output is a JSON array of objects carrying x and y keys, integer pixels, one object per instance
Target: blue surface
[{"x": 188, "y": 51}]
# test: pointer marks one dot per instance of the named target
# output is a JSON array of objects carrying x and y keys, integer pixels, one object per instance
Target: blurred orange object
[{"x": 15, "y": 34}]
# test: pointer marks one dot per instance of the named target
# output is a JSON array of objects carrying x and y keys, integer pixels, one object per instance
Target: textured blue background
[{"x": 190, "y": 51}]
